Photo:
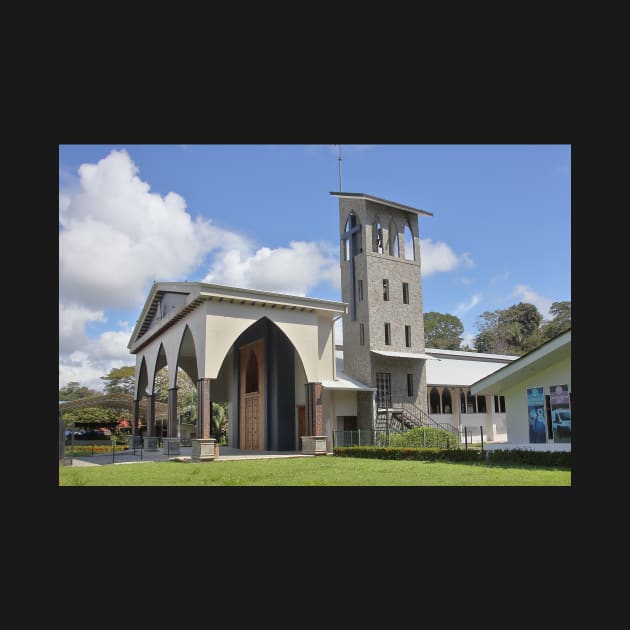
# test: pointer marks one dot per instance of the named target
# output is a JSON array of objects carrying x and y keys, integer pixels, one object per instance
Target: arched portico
[{"x": 204, "y": 335}]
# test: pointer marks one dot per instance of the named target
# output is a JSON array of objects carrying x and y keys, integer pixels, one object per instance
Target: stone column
[
  {"x": 151, "y": 416},
  {"x": 314, "y": 417},
  {"x": 172, "y": 413},
  {"x": 203, "y": 408},
  {"x": 135, "y": 417}
]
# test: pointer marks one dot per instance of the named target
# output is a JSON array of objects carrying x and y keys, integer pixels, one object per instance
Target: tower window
[
  {"x": 409, "y": 250},
  {"x": 377, "y": 238},
  {"x": 405, "y": 292},
  {"x": 386, "y": 290},
  {"x": 409, "y": 384},
  {"x": 361, "y": 335},
  {"x": 360, "y": 291},
  {"x": 388, "y": 334},
  {"x": 408, "y": 336}
]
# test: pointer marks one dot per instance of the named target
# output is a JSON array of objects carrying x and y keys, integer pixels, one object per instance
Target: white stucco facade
[{"x": 546, "y": 366}]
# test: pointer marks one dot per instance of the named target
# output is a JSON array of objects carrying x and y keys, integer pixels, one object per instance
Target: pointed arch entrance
[{"x": 252, "y": 396}]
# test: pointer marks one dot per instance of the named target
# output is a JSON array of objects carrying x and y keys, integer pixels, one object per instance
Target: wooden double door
[{"x": 252, "y": 396}]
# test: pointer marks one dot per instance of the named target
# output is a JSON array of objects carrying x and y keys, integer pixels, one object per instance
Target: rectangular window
[
  {"x": 388, "y": 334},
  {"x": 405, "y": 293},
  {"x": 471, "y": 403},
  {"x": 360, "y": 291},
  {"x": 481, "y": 404},
  {"x": 361, "y": 335},
  {"x": 499, "y": 404},
  {"x": 386, "y": 290},
  {"x": 383, "y": 389},
  {"x": 409, "y": 384},
  {"x": 408, "y": 336}
]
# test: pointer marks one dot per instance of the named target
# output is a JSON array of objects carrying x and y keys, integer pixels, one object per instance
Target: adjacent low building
[{"x": 537, "y": 391}]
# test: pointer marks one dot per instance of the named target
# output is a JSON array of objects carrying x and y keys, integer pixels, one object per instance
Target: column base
[
  {"x": 314, "y": 444},
  {"x": 203, "y": 450}
]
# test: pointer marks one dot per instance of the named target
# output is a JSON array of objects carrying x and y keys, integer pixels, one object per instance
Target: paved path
[{"x": 225, "y": 454}]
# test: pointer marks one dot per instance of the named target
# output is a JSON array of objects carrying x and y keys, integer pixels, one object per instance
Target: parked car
[{"x": 95, "y": 434}]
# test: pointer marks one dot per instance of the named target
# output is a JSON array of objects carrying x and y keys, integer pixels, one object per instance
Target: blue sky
[{"x": 261, "y": 216}]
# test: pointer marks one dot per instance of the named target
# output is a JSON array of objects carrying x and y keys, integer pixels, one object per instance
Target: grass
[{"x": 312, "y": 471}]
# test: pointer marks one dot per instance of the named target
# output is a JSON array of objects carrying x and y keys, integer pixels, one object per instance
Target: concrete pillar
[
  {"x": 491, "y": 420},
  {"x": 171, "y": 430},
  {"x": 204, "y": 409},
  {"x": 135, "y": 417},
  {"x": 151, "y": 416}
]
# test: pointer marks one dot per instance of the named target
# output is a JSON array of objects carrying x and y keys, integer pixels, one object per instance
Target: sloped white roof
[
  {"x": 449, "y": 367},
  {"x": 343, "y": 381}
]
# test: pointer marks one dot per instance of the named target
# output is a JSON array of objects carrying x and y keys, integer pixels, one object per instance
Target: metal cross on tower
[{"x": 351, "y": 230}]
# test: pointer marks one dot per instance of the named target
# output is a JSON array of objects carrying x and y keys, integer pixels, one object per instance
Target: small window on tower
[
  {"x": 405, "y": 292},
  {"x": 361, "y": 335},
  {"x": 386, "y": 290},
  {"x": 388, "y": 334},
  {"x": 408, "y": 336},
  {"x": 360, "y": 290}
]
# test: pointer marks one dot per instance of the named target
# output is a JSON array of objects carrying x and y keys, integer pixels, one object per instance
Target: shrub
[
  {"x": 423, "y": 437},
  {"x": 553, "y": 459}
]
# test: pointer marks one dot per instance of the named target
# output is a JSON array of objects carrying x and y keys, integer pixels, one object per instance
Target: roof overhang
[
  {"x": 542, "y": 357},
  {"x": 345, "y": 383},
  {"x": 385, "y": 202},
  {"x": 403, "y": 355}
]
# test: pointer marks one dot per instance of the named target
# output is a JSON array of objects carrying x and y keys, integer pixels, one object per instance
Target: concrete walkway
[{"x": 226, "y": 454}]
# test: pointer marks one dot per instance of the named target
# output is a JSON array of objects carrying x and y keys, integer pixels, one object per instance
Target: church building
[{"x": 273, "y": 358}]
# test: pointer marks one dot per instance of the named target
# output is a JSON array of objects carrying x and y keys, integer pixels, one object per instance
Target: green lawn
[{"x": 312, "y": 471}]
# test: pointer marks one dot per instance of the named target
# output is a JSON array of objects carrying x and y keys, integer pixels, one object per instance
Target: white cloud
[
  {"x": 528, "y": 295},
  {"x": 117, "y": 236},
  {"x": 439, "y": 256},
  {"x": 293, "y": 270},
  {"x": 466, "y": 306},
  {"x": 468, "y": 339},
  {"x": 72, "y": 321}
]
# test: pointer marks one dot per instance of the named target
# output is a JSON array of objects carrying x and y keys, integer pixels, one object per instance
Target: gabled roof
[
  {"x": 198, "y": 292},
  {"x": 385, "y": 202},
  {"x": 538, "y": 359}
]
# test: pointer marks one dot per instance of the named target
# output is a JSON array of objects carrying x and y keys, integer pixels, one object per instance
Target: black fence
[{"x": 468, "y": 436}]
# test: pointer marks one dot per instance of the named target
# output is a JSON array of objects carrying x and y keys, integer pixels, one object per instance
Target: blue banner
[{"x": 536, "y": 415}]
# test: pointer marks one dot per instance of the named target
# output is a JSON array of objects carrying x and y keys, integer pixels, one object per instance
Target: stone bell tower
[{"x": 383, "y": 332}]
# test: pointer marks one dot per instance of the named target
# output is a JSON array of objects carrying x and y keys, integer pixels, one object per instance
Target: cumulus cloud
[
  {"x": 72, "y": 321},
  {"x": 294, "y": 269},
  {"x": 528, "y": 295},
  {"x": 117, "y": 236},
  {"x": 439, "y": 256}
]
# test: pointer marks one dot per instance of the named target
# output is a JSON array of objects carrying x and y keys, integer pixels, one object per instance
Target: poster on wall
[
  {"x": 560, "y": 413},
  {"x": 536, "y": 415}
]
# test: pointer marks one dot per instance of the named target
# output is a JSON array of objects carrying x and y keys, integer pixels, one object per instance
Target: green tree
[
  {"x": 514, "y": 330},
  {"x": 74, "y": 391},
  {"x": 120, "y": 380},
  {"x": 94, "y": 415},
  {"x": 560, "y": 322},
  {"x": 442, "y": 330}
]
